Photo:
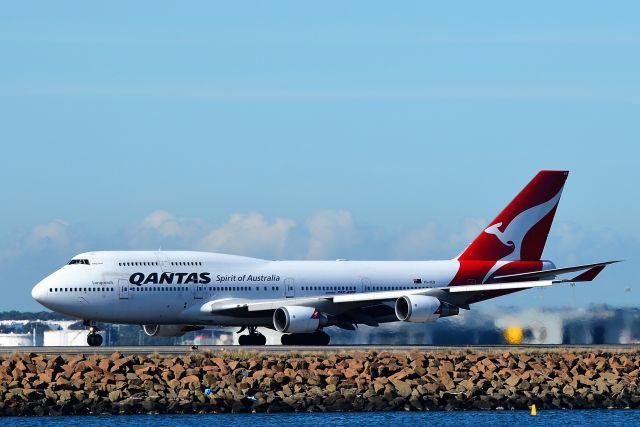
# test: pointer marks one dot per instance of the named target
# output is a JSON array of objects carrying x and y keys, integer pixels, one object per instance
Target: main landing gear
[
  {"x": 315, "y": 338},
  {"x": 94, "y": 339},
  {"x": 254, "y": 337}
]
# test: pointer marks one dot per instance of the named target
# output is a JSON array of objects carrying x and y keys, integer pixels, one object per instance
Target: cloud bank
[{"x": 30, "y": 255}]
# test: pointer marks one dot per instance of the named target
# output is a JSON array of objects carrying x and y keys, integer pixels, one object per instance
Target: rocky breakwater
[{"x": 32, "y": 384}]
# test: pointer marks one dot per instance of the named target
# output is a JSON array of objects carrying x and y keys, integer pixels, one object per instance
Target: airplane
[{"x": 171, "y": 293}]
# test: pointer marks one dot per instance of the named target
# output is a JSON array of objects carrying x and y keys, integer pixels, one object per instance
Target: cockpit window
[{"x": 79, "y": 261}]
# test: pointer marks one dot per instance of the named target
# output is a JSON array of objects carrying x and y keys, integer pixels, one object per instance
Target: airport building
[{"x": 593, "y": 325}]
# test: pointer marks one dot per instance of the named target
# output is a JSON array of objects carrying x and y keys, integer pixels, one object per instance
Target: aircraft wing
[{"x": 366, "y": 298}]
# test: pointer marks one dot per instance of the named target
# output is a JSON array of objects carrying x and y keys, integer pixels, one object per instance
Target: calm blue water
[{"x": 609, "y": 418}]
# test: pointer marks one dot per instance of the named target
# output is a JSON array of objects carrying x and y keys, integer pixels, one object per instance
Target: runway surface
[{"x": 177, "y": 350}]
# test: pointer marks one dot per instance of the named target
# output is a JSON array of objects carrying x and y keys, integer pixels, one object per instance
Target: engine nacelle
[
  {"x": 168, "y": 330},
  {"x": 422, "y": 309},
  {"x": 296, "y": 319}
]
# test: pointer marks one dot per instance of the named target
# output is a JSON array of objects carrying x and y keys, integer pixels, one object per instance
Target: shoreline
[{"x": 241, "y": 381}]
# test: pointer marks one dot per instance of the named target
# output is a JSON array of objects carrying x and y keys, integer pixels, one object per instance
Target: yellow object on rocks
[
  {"x": 514, "y": 335},
  {"x": 533, "y": 410}
]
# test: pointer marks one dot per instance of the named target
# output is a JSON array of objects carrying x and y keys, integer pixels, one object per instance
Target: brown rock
[
  {"x": 488, "y": 363},
  {"x": 524, "y": 358},
  {"x": 568, "y": 390},
  {"x": 350, "y": 373},
  {"x": 219, "y": 362},
  {"x": 431, "y": 388},
  {"x": 513, "y": 380},
  {"x": 446, "y": 366},
  {"x": 356, "y": 365},
  {"x": 403, "y": 388},
  {"x": 190, "y": 379},
  {"x": 178, "y": 371}
]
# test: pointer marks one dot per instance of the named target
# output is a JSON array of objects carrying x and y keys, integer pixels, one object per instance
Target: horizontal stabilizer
[
  {"x": 549, "y": 274},
  {"x": 588, "y": 275}
]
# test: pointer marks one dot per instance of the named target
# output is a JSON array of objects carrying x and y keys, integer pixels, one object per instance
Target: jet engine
[
  {"x": 297, "y": 319},
  {"x": 422, "y": 309},
  {"x": 168, "y": 330}
]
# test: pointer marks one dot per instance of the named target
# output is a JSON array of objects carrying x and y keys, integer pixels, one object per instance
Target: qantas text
[{"x": 169, "y": 278}]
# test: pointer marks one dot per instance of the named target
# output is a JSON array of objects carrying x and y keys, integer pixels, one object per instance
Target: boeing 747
[{"x": 170, "y": 293}]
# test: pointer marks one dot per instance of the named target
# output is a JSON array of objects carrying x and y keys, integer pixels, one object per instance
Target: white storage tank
[
  {"x": 16, "y": 340},
  {"x": 65, "y": 337}
]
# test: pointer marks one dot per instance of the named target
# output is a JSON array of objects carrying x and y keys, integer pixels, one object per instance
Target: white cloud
[
  {"x": 330, "y": 231},
  {"x": 419, "y": 242},
  {"x": 52, "y": 234},
  {"x": 251, "y": 234},
  {"x": 168, "y": 226},
  {"x": 431, "y": 241},
  {"x": 326, "y": 234},
  {"x": 164, "y": 229}
]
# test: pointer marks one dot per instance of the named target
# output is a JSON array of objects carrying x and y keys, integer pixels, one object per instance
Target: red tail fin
[{"x": 520, "y": 231}]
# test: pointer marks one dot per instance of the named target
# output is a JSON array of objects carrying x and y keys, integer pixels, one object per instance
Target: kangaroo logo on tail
[
  {"x": 518, "y": 228},
  {"x": 520, "y": 231}
]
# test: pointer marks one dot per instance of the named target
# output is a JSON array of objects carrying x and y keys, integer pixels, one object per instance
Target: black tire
[
  {"x": 286, "y": 339},
  {"x": 242, "y": 340},
  {"x": 94, "y": 340},
  {"x": 322, "y": 338},
  {"x": 261, "y": 339}
]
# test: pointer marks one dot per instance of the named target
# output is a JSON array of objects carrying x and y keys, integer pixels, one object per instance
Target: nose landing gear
[
  {"x": 94, "y": 339},
  {"x": 254, "y": 337}
]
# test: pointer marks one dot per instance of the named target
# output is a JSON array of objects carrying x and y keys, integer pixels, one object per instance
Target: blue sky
[{"x": 334, "y": 130}]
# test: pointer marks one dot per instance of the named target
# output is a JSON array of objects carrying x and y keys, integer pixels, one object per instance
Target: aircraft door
[
  {"x": 289, "y": 288},
  {"x": 198, "y": 291},
  {"x": 123, "y": 288},
  {"x": 163, "y": 261},
  {"x": 365, "y": 285}
]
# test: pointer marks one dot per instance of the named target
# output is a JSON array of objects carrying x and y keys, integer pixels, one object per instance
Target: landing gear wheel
[
  {"x": 254, "y": 338},
  {"x": 322, "y": 338},
  {"x": 94, "y": 340},
  {"x": 260, "y": 339},
  {"x": 315, "y": 338}
]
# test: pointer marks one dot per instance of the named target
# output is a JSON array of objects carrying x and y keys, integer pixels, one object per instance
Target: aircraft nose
[{"x": 39, "y": 291}]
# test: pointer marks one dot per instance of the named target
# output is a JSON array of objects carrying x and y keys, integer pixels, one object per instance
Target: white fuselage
[{"x": 139, "y": 287}]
